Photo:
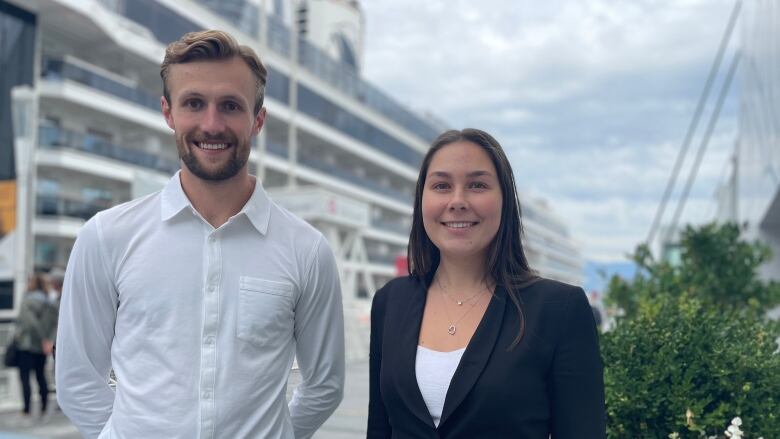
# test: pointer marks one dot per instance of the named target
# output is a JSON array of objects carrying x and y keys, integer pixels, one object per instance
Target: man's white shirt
[{"x": 200, "y": 325}]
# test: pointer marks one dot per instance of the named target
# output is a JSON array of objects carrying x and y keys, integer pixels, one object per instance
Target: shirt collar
[
  {"x": 257, "y": 209},
  {"x": 173, "y": 198}
]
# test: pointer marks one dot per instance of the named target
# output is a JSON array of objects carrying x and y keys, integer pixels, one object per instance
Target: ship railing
[
  {"x": 345, "y": 78},
  {"x": 50, "y": 137},
  {"x": 59, "y": 69},
  {"x": 346, "y": 175},
  {"x": 59, "y": 205},
  {"x": 393, "y": 226}
]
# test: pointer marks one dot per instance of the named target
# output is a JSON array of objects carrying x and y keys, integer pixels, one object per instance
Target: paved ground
[{"x": 349, "y": 421}]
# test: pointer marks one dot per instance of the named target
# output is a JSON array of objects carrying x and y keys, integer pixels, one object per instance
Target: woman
[
  {"x": 473, "y": 344},
  {"x": 34, "y": 331}
]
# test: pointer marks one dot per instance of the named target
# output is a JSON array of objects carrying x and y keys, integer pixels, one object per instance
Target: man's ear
[
  {"x": 259, "y": 121},
  {"x": 166, "y": 111}
]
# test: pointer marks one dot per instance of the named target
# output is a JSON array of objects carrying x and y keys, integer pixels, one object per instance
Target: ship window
[
  {"x": 279, "y": 8},
  {"x": 48, "y": 187},
  {"x": 6, "y": 294},
  {"x": 346, "y": 52},
  {"x": 331, "y": 114},
  {"x": 45, "y": 254},
  {"x": 166, "y": 25},
  {"x": 278, "y": 86}
]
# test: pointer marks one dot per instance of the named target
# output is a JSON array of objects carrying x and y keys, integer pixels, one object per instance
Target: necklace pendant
[
  {"x": 460, "y": 303},
  {"x": 451, "y": 330}
]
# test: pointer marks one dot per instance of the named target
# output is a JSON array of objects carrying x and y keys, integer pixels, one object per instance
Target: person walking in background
[
  {"x": 473, "y": 344},
  {"x": 55, "y": 277},
  {"x": 34, "y": 332},
  {"x": 200, "y": 295}
]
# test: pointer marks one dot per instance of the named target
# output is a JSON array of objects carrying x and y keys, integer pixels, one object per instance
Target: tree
[{"x": 716, "y": 266}]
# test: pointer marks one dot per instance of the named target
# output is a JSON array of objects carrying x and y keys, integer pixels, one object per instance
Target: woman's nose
[{"x": 457, "y": 202}]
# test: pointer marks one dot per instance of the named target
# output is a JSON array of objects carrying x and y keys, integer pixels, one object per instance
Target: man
[{"x": 200, "y": 295}]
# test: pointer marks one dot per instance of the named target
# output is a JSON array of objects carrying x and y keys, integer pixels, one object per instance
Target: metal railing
[
  {"x": 278, "y": 149},
  {"x": 279, "y": 39},
  {"x": 54, "y": 137},
  {"x": 345, "y": 78},
  {"x": 58, "y": 69},
  {"x": 393, "y": 226},
  {"x": 57, "y": 205},
  {"x": 348, "y": 176},
  {"x": 381, "y": 258}
]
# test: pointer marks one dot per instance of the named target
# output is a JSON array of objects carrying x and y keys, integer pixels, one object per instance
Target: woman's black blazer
[{"x": 551, "y": 384}]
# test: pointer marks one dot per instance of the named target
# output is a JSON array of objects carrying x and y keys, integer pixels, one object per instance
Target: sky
[{"x": 590, "y": 99}]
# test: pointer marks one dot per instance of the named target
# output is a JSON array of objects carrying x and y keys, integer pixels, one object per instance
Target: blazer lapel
[
  {"x": 408, "y": 337},
  {"x": 477, "y": 354}
]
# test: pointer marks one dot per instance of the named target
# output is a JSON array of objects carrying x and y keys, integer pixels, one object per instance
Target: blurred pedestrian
[
  {"x": 34, "y": 332},
  {"x": 56, "y": 276},
  {"x": 473, "y": 344}
]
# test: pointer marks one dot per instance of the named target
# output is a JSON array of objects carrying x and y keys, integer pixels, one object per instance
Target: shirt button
[
  {"x": 212, "y": 238},
  {"x": 206, "y": 395},
  {"x": 209, "y": 340}
]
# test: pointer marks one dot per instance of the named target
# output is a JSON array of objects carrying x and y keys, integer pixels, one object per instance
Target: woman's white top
[{"x": 434, "y": 372}]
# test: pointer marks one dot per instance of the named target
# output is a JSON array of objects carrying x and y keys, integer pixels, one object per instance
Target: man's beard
[{"x": 229, "y": 170}]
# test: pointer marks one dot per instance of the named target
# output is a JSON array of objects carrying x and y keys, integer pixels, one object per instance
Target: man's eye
[
  {"x": 231, "y": 106},
  {"x": 193, "y": 104}
]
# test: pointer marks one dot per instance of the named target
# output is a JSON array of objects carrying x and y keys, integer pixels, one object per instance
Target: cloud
[{"x": 590, "y": 98}]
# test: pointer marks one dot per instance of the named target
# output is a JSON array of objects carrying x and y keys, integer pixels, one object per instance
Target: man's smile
[{"x": 211, "y": 145}]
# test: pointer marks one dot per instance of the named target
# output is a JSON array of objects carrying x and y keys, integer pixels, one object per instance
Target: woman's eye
[
  {"x": 439, "y": 186},
  {"x": 478, "y": 185}
]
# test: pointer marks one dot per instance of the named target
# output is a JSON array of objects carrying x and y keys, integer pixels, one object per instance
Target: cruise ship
[{"x": 81, "y": 130}]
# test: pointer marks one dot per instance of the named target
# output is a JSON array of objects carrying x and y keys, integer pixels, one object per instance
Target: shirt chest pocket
[{"x": 265, "y": 311}]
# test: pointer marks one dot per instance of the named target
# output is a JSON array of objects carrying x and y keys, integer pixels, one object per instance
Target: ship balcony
[
  {"x": 280, "y": 150},
  {"x": 61, "y": 216},
  {"x": 57, "y": 69},
  {"x": 344, "y": 78},
  {"x": 393, "y": 226},
  {"x": 381, "y": 258},
  {"x": 337, "y": 178},
  {"x": 51, "y": 205},
  {"x": 346, "y": 175},
  {"x": 51, "y": 138},
  {"x": 81, "y": 84}
]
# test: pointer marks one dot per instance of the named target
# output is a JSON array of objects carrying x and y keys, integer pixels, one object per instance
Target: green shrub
[
  {"x": 678, "y": 366},
  {"x": 694, "y": 348}
]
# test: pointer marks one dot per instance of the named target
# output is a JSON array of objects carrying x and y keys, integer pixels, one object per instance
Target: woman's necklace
[
  {"x": 459, "y": 302},
  {"x": 453, "y": 328}
]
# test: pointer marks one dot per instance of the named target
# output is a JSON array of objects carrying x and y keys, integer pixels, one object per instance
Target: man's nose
[{"x": 213, "y": 122}]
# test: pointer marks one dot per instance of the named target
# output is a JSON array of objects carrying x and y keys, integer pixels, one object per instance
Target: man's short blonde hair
[{"x": 212, "y": 45}]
